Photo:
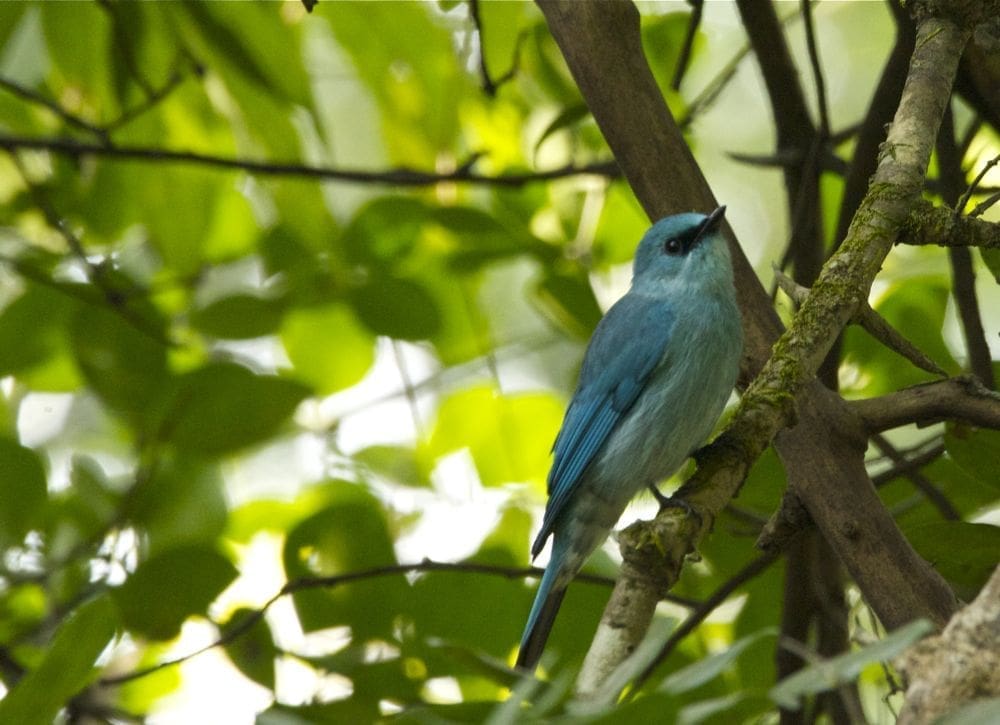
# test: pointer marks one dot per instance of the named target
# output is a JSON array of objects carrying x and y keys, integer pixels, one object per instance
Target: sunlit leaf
[
  {"x": 509, "y": 436},
  {"x": 349, "y": 535},
  {"x": 328, "y": 348}
]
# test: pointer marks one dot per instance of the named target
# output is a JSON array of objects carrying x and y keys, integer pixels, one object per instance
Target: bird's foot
[{"x": 675, "y": 503}]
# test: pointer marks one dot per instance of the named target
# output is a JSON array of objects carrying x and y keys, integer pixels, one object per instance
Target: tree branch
[
  {"x": 961, "y": 399},
  {"x": 928, "y": 224},
  {"x": 395, "y": 177},
  {"x": 958, "y": 666},
  {"x": 245, "y": 624}
]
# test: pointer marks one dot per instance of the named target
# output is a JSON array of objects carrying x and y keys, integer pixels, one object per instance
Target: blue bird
[{"x": 656, "y": 375}]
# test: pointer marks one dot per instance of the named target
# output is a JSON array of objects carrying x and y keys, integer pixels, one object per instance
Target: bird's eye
[{"x": 672, "y": 246}]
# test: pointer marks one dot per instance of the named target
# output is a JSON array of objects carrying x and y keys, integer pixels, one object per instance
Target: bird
[{"x": 656, "y": 375}]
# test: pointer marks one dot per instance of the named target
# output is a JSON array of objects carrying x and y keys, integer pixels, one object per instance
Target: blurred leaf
[
  {"x": 396, "y": 307},
  {"x": 252, "y": 651},
  {"x": 349, "y": 535},
  {"x": 621, "y": 226},
  {"x": 67, "y": 666},
  {"x": 963, "y": 553},
  {"x": 509, "y": 436},
  {"x": 397, "y": 463},
  {"x": 991, "y": 257},
  {"x": 710, "y": 667},
  {"x": 237, "y": 39},
  {"x": 125, "y": 366},
  {"x": 414, "y": 78},
  {"x": 223, "y": 407},
  {"x": 663, "y": 39},
  {"x": 80, "y": 59},
  {"x": 385, "y": 230},
  {"x": 976, "y": 712},
  {"x": 844, "y": 668},
  {"x": 328, "y": 348},
  {"x": 565, "y": 119},
  {"x": 33, "y": 340},
  {"x": 239, "y": 317},
  {"x": 171, "y": 586},
  {"x": 85, "y": 510},
  {"x": 23, "y": 491},
  {"x": 182, "y": 501},
  {"x": 568, "y": 299},
  {"x": 976, "y": 451}
]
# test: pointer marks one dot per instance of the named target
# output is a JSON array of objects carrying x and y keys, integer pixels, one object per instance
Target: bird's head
[{"x": 683, "y": 247}]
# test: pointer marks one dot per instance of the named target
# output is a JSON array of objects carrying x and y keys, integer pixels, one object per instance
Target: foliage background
[{"x": 218, "y": 377}]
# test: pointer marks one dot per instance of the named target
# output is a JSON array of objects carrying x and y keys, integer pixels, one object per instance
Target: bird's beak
[{"x": 711, "y": 223}]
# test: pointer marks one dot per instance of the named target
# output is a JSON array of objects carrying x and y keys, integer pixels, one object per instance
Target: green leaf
[
  {"x": 125, "y": 366},
  {"x": 976, "y": 712},
  {"x": 915, "y": 308},
  {"x": 23, "y": 491},
  {"x": 566, "y": 118},
  {"x": 80, "y": 59},
  {"x": 33, "y": 341},
  {"x": 976, "y": 451},
  {"x": 509, "y": 436},
  {"x": 223, "y": 407},
  {"x": 171, "y": 586},
  {"x": 963, "y": 553},
  {"x": 328, "y": 348},
  {"x": 567, "y": 298},
  {"x": 385, "y": 230},
  {"x": 66, "y": 667},
  {"x": 181, "y": 502},
  {"x": 252, "y": 650},
  {"x": 991, "y": 258},
  {"x": 621, "y": 226},
  {"x": 414, "y": 78},
  {"x": 349, "y": 535},
  {"x": 712, "y": 666},
  {"x": 397, "y": 463},
  {"x": 845, "y": 668},
  {"x": 239, "y": 317},
  {"x": 396, "y": 307}
]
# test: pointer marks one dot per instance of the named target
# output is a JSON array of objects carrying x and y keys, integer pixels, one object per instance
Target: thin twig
[
  {"x": 329, "y": 582},
  {"x": 397, "y": 177},
  {"x": 910, "y": 462},
  {"x": 96, "y": 272},
  {"x": 684, "y": 58},
  {"x": 718, "y": 597},
  {"x": 964, "y": 199},
  {"x": 489, "y": 87},
  {"x": 817, "y": 70},
  {"x": 37, "y": 98},
  {"x": 923, "y": 484}
]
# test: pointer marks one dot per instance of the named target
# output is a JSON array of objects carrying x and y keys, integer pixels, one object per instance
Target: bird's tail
[{"x": 543, "y": 614}]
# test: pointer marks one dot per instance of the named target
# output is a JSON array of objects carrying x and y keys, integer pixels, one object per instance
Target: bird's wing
[{"x": 626, "y": 347}]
